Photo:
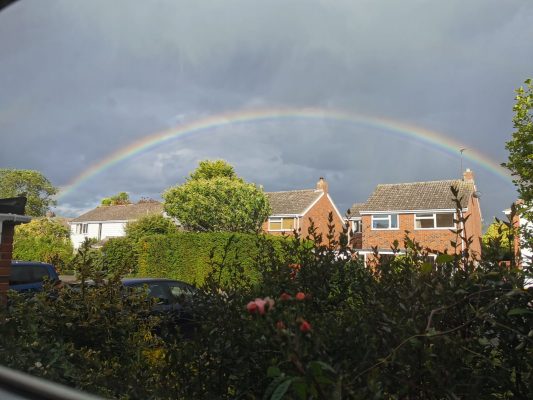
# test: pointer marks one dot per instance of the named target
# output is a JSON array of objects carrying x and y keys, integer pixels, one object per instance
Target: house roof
[
  {"x": 127, "y": 212},
  {"x": 353, "y": 211},
  {"x": 435, "y": 195},
  {"x": 294, "y": 202}
]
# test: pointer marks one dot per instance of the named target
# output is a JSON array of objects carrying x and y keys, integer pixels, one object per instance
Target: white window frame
[
  {"x": 385, "y": 217},
  {"x": 82, "y": 229},
  {"x": 280, "y": 220},
  {"x": 359, "y": 224},
  {"x": 434, "y": 219}
]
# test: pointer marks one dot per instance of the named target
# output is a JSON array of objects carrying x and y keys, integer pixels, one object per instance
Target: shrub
[
  {"x": 189, "y": 256},
  {"x": 119, "y": 256}
]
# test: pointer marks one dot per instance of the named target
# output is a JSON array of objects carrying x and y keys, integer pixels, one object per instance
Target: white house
[{"x": 106, "y": 222}]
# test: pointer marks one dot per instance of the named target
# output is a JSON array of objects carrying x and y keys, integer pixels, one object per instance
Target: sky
[{"x": 81, "y": 81}]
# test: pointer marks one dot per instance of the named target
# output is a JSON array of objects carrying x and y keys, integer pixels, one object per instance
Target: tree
[
  {"x": 498, "y": 241},
  {"x": 150, "y": 225},
  {"x": 213, "y": 169},
  {"x": 520, "y": 147},
  {"x": 215, "y": 199},
  {"x": 32, "y": 184},
  {"x": 43, "y": 239},
  {"x": 119, "y": 199}
]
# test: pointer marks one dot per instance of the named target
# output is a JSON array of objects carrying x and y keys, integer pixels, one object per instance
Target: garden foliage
[{"x": 315, "y": 324}]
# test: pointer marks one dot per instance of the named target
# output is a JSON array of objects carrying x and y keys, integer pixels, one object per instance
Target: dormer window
[{"x": 384, "y": 221}]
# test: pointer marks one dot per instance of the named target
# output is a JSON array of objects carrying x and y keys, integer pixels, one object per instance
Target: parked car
[
  {"x": 172, "y": 301},
  {"x": 28, "y": 276}
]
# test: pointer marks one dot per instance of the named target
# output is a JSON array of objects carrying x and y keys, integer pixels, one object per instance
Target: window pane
[
  {"x": 288, "y": 223},
  {"x": 445, "y": 220},
  {"x": 424, "y": 223},
  {"x": 424, "y": 216},
  {"x": 380, "y": 224},
  {"x": 275, "y": 225},
  {"x": 394, "y": 221},
  {"x": 27, "y": 274}
]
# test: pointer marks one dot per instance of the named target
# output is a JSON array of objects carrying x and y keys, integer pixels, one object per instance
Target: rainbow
[{"x": 407, "y": 131}]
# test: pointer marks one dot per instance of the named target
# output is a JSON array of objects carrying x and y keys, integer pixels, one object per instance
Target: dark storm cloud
[{"x": 80, "y": 80}]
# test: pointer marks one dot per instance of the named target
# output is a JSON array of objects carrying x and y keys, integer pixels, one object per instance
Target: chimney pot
[
  {"x": 468, "y": 175},
  {"x": 322, "y": 185}
]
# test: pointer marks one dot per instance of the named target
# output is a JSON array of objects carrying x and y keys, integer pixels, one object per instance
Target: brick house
[
  {"x": 11, "y": 214},
  {"x": 522, "y": 249},
  {"x": 425, "y": 209},
  {"x": 294, "y": 209},
  {"x": 106, "y": 222}
]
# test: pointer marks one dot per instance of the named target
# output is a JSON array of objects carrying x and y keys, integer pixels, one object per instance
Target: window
[
  {"x": 434, "y": 221},
  {"x": 25, "y": 274},
  {"x": 385, "y": 221},
  {"x": 82, "y": 228},
  {"x": 281, "y": 224},
  {"x": 357, "y": 226}
]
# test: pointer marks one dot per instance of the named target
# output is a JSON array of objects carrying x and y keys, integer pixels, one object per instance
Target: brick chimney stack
[
  {"x": 468, "y": 175},
  {"x": 322, "y": 185}
]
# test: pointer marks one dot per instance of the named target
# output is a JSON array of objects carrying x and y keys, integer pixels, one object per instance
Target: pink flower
[
  {"x": 260, "y": 303},
  {"x": 305, "y": 326},
  {"x": 300, "y": 296},
  {"x": 251, "y": 307},
  {"x": 270, "y": 302},
  {"x": 285, "y": 296}
]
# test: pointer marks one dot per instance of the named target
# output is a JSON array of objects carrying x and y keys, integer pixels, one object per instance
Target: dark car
[
  {"x": 28, "y": 276},
  {"x": 172, "y": 300}
]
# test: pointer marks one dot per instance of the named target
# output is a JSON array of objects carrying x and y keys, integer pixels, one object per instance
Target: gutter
[{"x": 16, "y": 218}]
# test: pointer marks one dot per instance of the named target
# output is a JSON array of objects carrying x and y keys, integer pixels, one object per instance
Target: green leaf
[
  {"x": 273, "y": 372},
  {"x": 281, "y": 390},
  {"x": 519, "y": 311},
  {"x": 273, "y": 385},
  {"x": 426, "y": 268},
  {"x": 444, "y": 258}
]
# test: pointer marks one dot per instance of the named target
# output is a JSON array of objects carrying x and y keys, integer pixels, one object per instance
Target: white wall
[{"x": 108, "y": 229}]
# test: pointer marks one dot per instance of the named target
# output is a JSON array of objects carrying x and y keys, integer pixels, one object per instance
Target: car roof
[
  {"x": 134, "y": 281},
  {"x": 15, "y": 263}
]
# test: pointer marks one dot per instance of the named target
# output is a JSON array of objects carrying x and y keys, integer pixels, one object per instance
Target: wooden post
[{"x": 6, "y": 254}]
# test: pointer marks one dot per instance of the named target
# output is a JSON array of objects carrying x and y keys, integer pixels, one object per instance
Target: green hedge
[
  {"x": 120, "y": 256},
  {"x": 189, "y": 256}
]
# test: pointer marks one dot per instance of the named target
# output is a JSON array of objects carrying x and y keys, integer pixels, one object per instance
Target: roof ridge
[
  {"x": 296, "y": 190},
  {"x": 414, "y": 183}
]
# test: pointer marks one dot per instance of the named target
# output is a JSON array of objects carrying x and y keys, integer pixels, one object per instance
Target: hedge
[{"x": 189, "y": 256}]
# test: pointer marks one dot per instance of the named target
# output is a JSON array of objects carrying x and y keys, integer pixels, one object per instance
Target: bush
[
  {"x": 119, "y": 256},
  {"x": 43, "y": 239},
  {"x": 314, "y": 322},
  {"x": 189, "y": 256}
]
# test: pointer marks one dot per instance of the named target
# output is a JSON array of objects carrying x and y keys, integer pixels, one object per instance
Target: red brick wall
[
  {"x": 435, "y": 239},
  {"x": 6, "y": 252},
  {"x": 473, "y": 226}
]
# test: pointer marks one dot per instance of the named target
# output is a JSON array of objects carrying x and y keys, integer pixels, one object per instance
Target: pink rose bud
[
  {"x": 285, "y": 297},
  {"x": 305, "y": 326},
  {"x": 251, "y": 307},
  {"x": 300, "y": 296}
]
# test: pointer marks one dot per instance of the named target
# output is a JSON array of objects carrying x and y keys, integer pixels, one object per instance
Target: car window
[
  {"x": 179, "y": 291},
  {"x": 24, "y": 274}
]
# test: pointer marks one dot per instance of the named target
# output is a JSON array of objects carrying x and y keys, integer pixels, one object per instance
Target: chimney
[
  {"x": 322, "y": 185},
  {"x": 468, "y": 175}
]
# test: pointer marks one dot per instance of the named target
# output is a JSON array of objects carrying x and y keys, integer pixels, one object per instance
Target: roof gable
[
  {"x": 292, "y": 202},
  {"x": 127, "y": 212},
  {"x": 435, "y": 195}
]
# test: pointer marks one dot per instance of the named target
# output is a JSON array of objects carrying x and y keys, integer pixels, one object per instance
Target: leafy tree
[
  {"x": 43, "y": 239},
  {"x": 521, "y": 145},
  {"x": 34, "y": 185},
  {"x": 150, "y": 225},
  {"x": 498, "y": 241},
  {"x": 215, "y": 199},
  {"x": 117, "y": 200},
  {"x": 213, "y": 169}
]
